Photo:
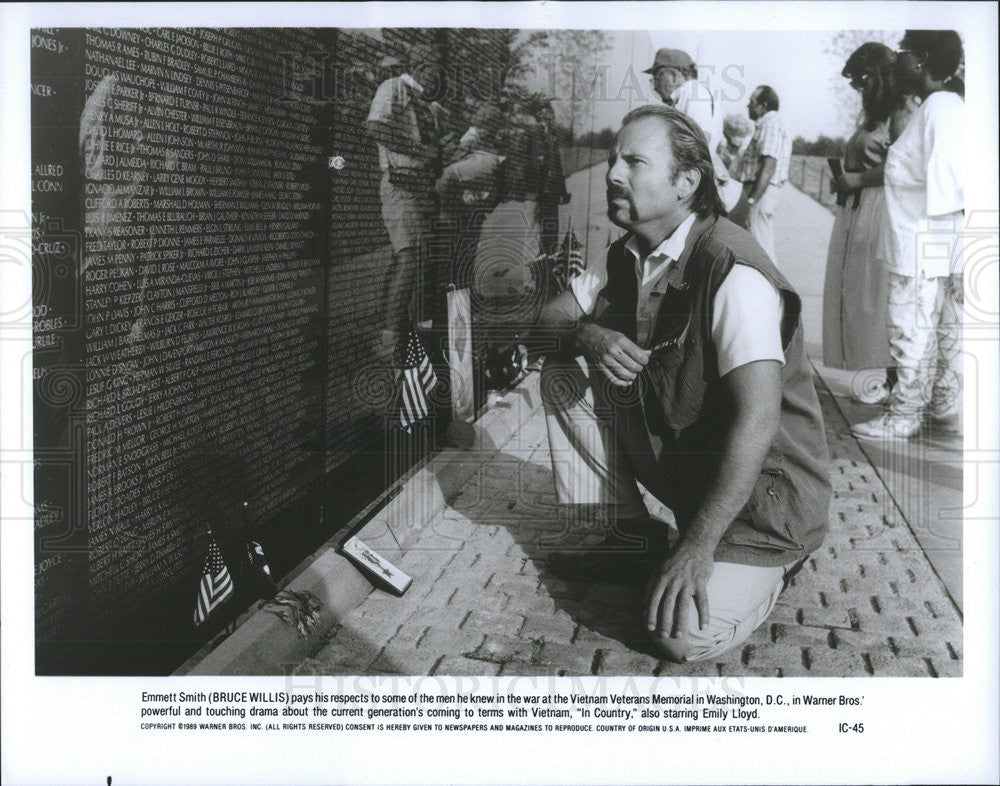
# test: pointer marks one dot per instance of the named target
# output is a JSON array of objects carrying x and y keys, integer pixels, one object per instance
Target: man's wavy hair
[
  {"x": 876, "y": 63},
  {"x": 690, "y": 151}
]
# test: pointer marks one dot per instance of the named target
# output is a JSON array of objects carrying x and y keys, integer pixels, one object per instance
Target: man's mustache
[{"x": 618, "y": 193}]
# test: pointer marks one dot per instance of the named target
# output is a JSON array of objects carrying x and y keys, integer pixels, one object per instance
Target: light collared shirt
[
  {"x": 746, "y": 313},
  {"x": 695, "y": 100},
  {"x": 770, "y": 138},
  {"x": 652, "y": 271}
]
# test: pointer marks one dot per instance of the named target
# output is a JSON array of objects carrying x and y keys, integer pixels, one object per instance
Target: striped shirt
[{"x": 770, "y": 138}]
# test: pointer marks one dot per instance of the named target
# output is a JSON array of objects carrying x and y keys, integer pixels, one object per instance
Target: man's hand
[
  {"x": 755, "y": 390},
  {"x": 682, "y": 577},
  {"x": 846, "y": 183},
  {"x": 620, "y": 359}
]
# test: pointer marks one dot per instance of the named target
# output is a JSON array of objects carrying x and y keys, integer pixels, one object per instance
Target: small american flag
[
  {"x": 418, "y": 382},
  {"x": 255, "y": 553},
  {"x": 261, "y": 570},
  {"x": 569, "y": 262},
  {"x": 216, "y": 585}
]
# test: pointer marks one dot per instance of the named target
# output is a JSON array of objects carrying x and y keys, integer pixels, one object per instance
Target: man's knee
[
  {"x": 740, "y": 597},
  {"x": 675, "y": 650}
]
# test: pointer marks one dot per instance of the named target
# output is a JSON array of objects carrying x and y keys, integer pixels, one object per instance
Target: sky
[{"x": 794, "y": 63}]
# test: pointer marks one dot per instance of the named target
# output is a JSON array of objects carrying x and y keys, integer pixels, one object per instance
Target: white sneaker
[{"x": 887, "y": 426}]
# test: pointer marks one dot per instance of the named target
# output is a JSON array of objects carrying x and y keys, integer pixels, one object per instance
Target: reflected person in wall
[
  {"x": 552, "y": 189},
  {"x": 121, "y": 197},
  {"x": 406, "y": 127},
  {"x": 469, "y": 188}
]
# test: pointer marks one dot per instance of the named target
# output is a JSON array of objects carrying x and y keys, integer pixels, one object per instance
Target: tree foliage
[
  {"x": 570, "y": 65},
  {"x": 602, "y": 139},
  {"x": 823, "y": 145},
  {"x": 840, "y": 46}
]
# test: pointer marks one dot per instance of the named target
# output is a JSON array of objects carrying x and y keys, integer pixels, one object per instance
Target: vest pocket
[
  {"x": 763, "y": 522},
  {"x": 676, "y": 379}
]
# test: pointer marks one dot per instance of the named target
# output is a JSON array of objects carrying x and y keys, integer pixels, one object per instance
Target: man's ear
[{"x": 687, "y": 183}]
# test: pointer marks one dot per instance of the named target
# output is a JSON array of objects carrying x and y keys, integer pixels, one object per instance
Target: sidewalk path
[
  {"x": 924, "y": 474},
  {"x": 482, "y": 603}
]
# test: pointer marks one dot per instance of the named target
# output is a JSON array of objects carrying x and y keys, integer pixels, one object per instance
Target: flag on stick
[
  {"x": 569, "y": 262},
  {"x": 261, "y": 570},
  {"x": 573, "y": 254},
  {"x": 216, "y": 584},
  {"x": 255, "y": 553},
  {"x": 419, "y": 381}
]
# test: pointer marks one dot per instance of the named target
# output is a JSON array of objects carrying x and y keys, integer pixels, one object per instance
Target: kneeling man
[{"x": 682, "y": 367}]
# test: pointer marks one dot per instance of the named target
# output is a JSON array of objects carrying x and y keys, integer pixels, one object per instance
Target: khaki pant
[
  {"x": 762, "y": 219},
  {"x": 596, "y": 461}
]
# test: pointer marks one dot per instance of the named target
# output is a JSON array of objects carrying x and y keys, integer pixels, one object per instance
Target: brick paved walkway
[{"x": 482, "y": 603}]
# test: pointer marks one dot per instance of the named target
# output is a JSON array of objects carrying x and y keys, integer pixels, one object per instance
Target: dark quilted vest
[{"x": 686, "y": 410}]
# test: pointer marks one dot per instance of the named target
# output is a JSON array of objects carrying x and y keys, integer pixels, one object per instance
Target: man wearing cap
[
  {"x": 675, "y": 80},
  {"x": 694, "y": 382},
  {"x": 406, "y": 128},
  {"x": 763, "y": 169}
]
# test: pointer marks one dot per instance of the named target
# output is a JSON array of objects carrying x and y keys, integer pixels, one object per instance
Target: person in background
[
  {"x": 522, "y": 142},
  {"x": 407, "y": 129},
  {"x": 763, "y": 169},
  {"x": 510, "y": 239},
  {"x": 469, "y": 188},
  {"x": 925, "y": 199},
  {"x": 854, "y": 299},
  {"x": 675, "y": 80},
  {"x": 736, "y": 132},
  {"x": 552, "y": 189}
]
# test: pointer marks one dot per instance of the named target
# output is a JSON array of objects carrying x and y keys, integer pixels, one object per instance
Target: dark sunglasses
[{"x": 858, "y": 81}]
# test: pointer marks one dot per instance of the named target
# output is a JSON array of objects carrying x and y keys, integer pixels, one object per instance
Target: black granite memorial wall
[
  {"x": 210, "y": 255},
  {"x": 188, "y": 324}
]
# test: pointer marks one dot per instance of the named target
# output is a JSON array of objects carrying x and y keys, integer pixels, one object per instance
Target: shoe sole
[
  {"x": 900, "y": 437},
  {"x": 870, "y": 402}
]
